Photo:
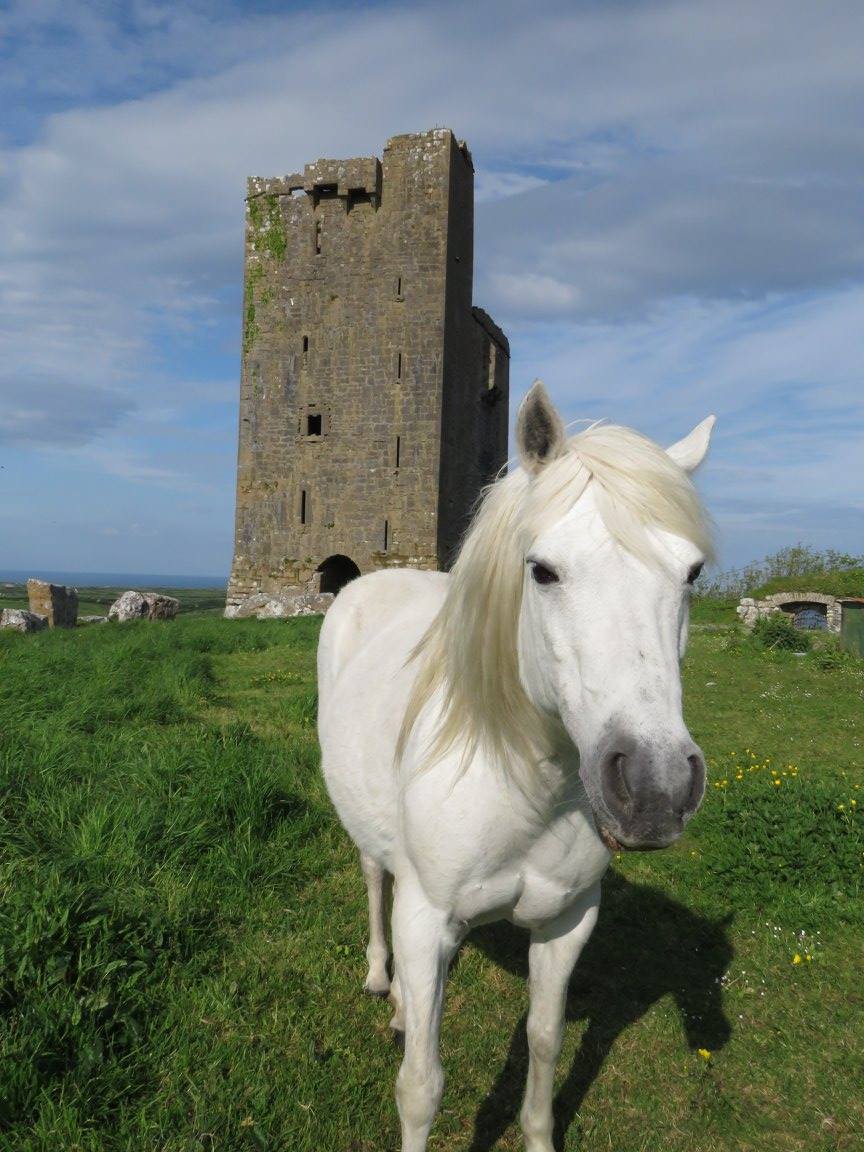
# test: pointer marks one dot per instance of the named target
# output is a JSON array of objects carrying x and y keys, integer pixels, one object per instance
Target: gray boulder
[
  {"x": 130, "y": 606},
  {"x": 20, "y": 620},
  {"x": 134, "y": 605}
]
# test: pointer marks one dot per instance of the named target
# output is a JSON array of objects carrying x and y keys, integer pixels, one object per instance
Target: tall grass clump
[{"x": 135, "y": 836}]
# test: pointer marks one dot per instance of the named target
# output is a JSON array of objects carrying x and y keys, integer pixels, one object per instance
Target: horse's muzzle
[{"x": 649, "y": 796}]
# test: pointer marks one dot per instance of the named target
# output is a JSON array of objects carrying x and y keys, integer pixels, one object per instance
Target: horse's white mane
[{"x": 469, "y": 652}]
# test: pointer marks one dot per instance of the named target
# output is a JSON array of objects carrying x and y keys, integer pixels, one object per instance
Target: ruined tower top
[{"x": 374, "y": 397}]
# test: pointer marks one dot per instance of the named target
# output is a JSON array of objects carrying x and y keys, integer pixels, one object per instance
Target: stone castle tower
[{"x": 374, "y": 397}]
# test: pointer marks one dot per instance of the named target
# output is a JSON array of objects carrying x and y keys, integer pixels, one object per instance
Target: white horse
[{"x": 490, "y": 736}]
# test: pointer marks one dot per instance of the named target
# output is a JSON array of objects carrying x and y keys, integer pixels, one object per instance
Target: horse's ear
[
  {"x": 690, "y": 452},
  {"x": 540, "y": 435}
]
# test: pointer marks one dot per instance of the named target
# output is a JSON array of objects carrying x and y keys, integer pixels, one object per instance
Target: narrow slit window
[
  {"x": 303, "y": 506},
  {"x": 490, "y": 380},
  {"x": 386, "y": 534},
  {"x": 317, "y": 237},
  {"x": 305, "y": 344},
  {"x": 399, "y": 366},
  {"x": 398, "y": 449},
  {"x": 399, "y": 286}
]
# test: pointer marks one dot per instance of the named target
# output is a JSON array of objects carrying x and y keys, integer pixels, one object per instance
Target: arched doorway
[
  {"x": 807, "y": 615},
  {"x": 335, "y": 572}
]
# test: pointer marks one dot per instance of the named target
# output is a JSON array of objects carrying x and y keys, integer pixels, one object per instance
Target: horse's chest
[
  {"x": 552, "y": 883},
  {"x": 535, "y": 886}
]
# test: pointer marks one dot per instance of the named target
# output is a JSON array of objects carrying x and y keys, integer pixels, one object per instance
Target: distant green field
[
  {"x": 97, "y": 601},
  {"x": 182, "y": 920}
]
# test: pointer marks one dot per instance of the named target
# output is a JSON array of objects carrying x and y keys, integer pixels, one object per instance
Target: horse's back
[
  {"x": 367, "y": 607},
  {"x": 364, "y": 677}
]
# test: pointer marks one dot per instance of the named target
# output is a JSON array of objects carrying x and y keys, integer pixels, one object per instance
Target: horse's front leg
[
  {"x": 424, "y": 941},
  {"x": 554, "y": 951}
]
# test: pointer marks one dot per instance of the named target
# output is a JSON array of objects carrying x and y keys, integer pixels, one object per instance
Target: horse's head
[{"x": 604, "y": 611}]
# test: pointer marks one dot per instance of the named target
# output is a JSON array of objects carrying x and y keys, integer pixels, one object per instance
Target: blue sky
[{"x": 670, "y": 222}]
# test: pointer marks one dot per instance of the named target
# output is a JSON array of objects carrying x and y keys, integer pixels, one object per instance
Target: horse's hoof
[
  {"x": 377, "y": 985},
  {"x": 398, "y": 1035}
]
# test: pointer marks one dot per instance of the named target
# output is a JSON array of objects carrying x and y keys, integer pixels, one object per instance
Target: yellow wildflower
[
  {"x": 796, "y": 959},
  {"x": 704, "y": 1053}
]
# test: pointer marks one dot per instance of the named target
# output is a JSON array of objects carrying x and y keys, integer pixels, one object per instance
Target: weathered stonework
[
  {"x": 374, "y": 397},
  {"x": 58, "y": 604},
  {"x": 750, "y": 610}
]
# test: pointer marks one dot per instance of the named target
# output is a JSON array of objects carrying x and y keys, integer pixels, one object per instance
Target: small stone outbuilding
[{"x": 813, "y": 611}]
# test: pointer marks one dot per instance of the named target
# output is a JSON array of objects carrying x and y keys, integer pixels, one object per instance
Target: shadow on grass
[{"x": 645, "y": 947}]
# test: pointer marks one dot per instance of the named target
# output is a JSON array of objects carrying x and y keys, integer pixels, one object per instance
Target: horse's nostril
[
  {"x": 616, "y": 777},
  {"x": 697, "y": 781}
]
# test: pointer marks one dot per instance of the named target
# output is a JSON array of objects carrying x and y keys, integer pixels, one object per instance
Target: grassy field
[
  {"x": 96, "y": 601},
  {"x": 182, "y": 920}
]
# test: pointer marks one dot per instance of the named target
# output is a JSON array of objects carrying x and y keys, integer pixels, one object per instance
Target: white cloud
[{"x": 785, "y": 379}]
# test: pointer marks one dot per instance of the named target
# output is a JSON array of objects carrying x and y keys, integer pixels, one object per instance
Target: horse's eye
[
  {"x": 543, "y": 575},
  {"x": 693, "y": 574}
]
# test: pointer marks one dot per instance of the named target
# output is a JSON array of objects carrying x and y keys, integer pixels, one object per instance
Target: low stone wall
[{"x": 750, "y": 610}]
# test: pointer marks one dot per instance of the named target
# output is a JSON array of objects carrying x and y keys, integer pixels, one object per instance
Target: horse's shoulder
[{"x": 369, "y": 605}]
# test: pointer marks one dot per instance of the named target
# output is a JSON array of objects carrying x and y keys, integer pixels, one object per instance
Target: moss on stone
[{"x": 265, "y": 216}]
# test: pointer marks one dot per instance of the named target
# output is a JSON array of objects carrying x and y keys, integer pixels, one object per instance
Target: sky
[{"x": 669, "y": 223}]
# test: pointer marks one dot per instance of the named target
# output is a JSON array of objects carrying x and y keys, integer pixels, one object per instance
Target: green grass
[{"x": 182, "y": 920}]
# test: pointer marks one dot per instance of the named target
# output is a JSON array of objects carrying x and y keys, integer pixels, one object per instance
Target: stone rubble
[
  {"x": 20, "y": 620},
  {"x": 280, "y": 605},
  {"x": 134, "y": 605}
]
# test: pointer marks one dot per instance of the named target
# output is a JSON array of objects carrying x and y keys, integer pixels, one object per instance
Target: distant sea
[{"x": 112, "y": 579}]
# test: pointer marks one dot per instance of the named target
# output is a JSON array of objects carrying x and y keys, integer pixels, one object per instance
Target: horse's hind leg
[{"x": 377, "y": 883}]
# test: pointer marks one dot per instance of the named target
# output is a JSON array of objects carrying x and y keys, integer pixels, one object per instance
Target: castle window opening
[
  {"x": 398, "y": 285},
  {"x": 305, "y": 344},
  {"x": 490, "y": 379},
  {"x": 398, "y": 447},
  {"x": 303, "y": 508},
  {"x": 357, "y": 196},
  {"x": 313, "y": 424},
  {"x": 317, "y": 237},
  {"x": 386, "y": 534},
  {"x": 399, "y": 366}
]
